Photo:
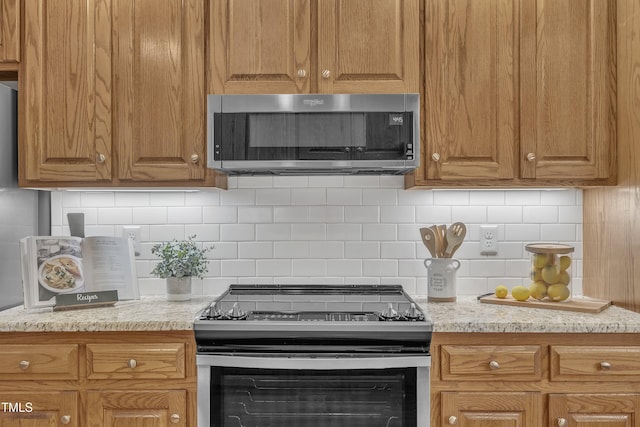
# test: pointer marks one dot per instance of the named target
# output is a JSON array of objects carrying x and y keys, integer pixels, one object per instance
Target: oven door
[{"x": 313, "y": 391}]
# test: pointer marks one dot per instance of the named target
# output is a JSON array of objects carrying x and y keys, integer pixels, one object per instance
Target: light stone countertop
[{"x": 464, "y": 315}]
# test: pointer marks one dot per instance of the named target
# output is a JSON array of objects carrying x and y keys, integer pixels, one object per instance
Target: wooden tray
[{"x": 582, "y": 304}]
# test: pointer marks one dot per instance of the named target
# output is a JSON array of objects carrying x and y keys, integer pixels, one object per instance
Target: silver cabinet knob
[
  {"x": 132, "y": 363},
  {"x": 435, "y": 157},
  {"x": 24, "y": 364},
  {"x": 100, "y": 158},
  {"x": 494, "y": 365},
  {"x": 195, "y": 158},
  {"x": 453, "y": 420},
  {"x": 302, "y": 73},
  {"x": 326, "y": 74},
  {"x": 562, "y": 422},
  {"x": 605, "y": 366},
  {"x": 65, "y": 419},
  {"x": 174, "y": 418},
  {"x": 531, "y": 157}
]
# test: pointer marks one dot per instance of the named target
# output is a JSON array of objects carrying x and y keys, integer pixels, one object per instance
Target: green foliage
[{"x": 180, "y": 258}]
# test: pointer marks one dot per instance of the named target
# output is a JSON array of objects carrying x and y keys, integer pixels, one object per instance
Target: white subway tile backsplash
[
  {"x": 398, "y": 250},
  {"x": 220, "y": 214},
  {"x": 238, "y": 232},
  {"x": 333, "y": 229},
  {"x": 344, "y": 196},
  {"x": 308, "y": 196},
  {"x": 290, "y": 214},
  {"x": 255, "y": 215},
  {"x": 379, "y": 232},
  {"x": 344, "y": 232},
  {"x": 274, "y": 196},
  {"x": 398, "y": 214},
  {"x": 187, "y": 215}
]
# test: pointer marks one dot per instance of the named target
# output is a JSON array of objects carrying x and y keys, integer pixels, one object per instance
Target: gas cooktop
[{"x": 312, "y": 312}]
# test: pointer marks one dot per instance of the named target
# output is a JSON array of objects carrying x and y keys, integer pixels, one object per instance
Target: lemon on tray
[
  {"x": 520, "y": 293},
  {"x": 501, "y": 291}
]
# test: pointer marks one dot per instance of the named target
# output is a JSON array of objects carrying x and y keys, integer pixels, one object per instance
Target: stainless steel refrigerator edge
[{"x": 23, "y": 212}]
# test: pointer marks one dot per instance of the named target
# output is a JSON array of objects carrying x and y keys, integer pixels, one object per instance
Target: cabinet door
[
  {"x": 368, "y": 46},
  {"x": 9, "y": 30},
  {"x": 471, "y": 92},
  {"x": 159, "y": 93},
  {"x": 587, "y": 410},
  {"x": 137, "y": 408},
  {"x": 259, "y": 46},
  {"x": 492, "y": 409},
  {"x": 568, "y": 89},
  {"x": 65, "y": 97},
  {"x": 36, "y": 409}
]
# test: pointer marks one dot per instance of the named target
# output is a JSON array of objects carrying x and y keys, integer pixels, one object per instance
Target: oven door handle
[{"x": 313, "y": 362}]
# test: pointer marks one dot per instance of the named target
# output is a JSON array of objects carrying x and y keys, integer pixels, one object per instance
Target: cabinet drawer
[
  {"x": 39, "y": 362},
  {"x": 588, "y": 363},
  {"x": 484, "y": 362},
  {"x": 153, "y": 361}
]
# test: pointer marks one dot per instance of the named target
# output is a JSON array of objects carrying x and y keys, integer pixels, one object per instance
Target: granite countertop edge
[{"x": 154, "y": 313}]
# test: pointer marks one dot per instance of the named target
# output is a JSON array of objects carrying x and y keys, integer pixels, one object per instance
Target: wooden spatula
[
  {"x": 455, "y": 235},
  {"x": 429, "y": 240}
]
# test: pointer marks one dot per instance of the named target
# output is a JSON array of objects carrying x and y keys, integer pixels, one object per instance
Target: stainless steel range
[{"x": 313, "y": 355}]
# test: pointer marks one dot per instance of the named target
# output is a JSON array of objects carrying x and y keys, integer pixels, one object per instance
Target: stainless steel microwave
[{"x": 313, "y": 134}]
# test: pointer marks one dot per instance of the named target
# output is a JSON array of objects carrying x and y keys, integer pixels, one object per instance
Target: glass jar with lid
[{"x": 550, "y": 271}]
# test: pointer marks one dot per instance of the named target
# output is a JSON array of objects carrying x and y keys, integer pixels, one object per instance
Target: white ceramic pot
[{"x": 179, "y": 288}]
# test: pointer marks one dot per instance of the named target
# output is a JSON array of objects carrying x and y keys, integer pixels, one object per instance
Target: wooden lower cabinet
[
  {"x": 492, "y": 409},
  {"x": 535, "y": 380},
  {"x": 107, "y": 379},
  {"x": 39, "y": 409},
  {"x": 137, "y": 408},
  {"x": 594, "y": 410}
]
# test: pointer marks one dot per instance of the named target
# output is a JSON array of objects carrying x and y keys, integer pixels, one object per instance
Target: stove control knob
[
  {"x": 412, "y": 312},
  {"x": 389, "y": 312},
  {"x": 236, "y": 312}
]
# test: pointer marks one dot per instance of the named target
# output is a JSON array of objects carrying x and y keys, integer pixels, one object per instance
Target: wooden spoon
[
  {"x": 429, "y": 240},
  {"x": 455, "y": 235}
]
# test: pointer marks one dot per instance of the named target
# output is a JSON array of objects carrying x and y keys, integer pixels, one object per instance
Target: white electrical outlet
[
  {"x": 488, "y": 240},
  {"x": 133, "y": 232}
]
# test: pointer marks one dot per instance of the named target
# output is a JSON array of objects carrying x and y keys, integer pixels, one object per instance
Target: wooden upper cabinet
[
  {"x": 158, "y": 89},
  {"x": 568, "y": 89},
  {"x": 519, "y": 92},
  {"x": 471, "y": 129},
  {"x": 304, "y": 46},
  {"x": 9, "y": 30},
  {"x": 259, "y": 46},
  {"x": 113, "y": 94},
  {"x": 65, "y": 92},
  {"x": 368, "y": 46}
]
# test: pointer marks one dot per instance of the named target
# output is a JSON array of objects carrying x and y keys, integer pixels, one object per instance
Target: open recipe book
[{"x": 61, "y": 265}]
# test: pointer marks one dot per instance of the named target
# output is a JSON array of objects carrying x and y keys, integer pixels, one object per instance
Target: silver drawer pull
[
  {"x": 562, "y": 422},
  {"x": 132, "y": 363},
  {"x": 65, "y": 419},
  {"x": 453, "y": 420},
  {"x": 175, "y": 418},
  {"x": 24, "y": 364},
  {"x": 605, "y": 366},
  {"x": 494, "y": 365}
]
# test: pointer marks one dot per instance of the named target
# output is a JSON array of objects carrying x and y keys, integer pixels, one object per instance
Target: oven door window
[{"x": 293, "y": 398}]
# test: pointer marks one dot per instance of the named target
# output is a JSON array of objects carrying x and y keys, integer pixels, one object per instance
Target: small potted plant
[{"x": 180, "y": 260}]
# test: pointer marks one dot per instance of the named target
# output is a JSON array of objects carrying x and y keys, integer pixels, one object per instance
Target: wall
[
  {"x": 332, "y": 229},
  {"x": 612, "y": 214}
]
